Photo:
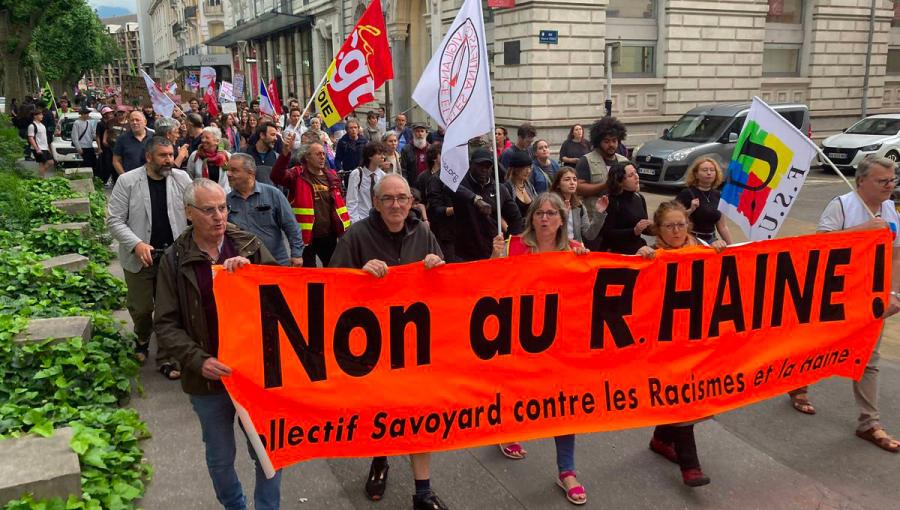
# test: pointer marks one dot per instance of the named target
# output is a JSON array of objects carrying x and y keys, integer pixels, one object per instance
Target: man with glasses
[
  {"x": 869, "y": 207},
  {"x": 186, "y": 325},
  {"x": 390, "y": 237},
  {"x": 145, "y": 215}
]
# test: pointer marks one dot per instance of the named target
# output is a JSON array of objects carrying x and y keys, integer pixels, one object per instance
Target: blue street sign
[{"x": 549, "y": 36}]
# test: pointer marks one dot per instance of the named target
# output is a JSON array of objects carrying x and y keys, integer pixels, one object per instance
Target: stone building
[
  {"x": 667, "y": 55},
  {"x": 124, "y": 30}
]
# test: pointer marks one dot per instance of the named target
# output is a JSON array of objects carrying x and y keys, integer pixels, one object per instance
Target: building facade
[{"x": 124, "y": 30}]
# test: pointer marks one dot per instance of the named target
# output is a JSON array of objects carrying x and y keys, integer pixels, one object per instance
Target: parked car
[
  {"x": 705, "y": 131},
  {"x": 877, "y": 135},
  {"x": 61, "y": 146}
]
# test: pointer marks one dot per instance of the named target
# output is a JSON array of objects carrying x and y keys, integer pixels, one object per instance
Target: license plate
[
  {"x": 646, "y": 171},
  {"x": 837, "y": 155}
]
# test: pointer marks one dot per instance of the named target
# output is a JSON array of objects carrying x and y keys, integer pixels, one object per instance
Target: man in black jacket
[
  {"x": 389, "y": 237},
  {"x": 474, "y": 206}
]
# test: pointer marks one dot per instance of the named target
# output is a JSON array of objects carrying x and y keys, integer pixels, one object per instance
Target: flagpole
[
  {"x": 313, "y": 95},
  {"x": 841, "y": 174},
  {"x": 496, "y": 169}
]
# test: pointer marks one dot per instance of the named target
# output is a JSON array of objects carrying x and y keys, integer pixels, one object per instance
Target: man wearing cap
[
  {"x": 84, "y": 130},
  {"x": 413, "y": 160},
  {"x": 474, "y": 208},
  {"x": 104, "y": 150}
]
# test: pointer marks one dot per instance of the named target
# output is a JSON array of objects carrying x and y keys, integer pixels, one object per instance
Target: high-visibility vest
[{"x": 302, "y": 199}]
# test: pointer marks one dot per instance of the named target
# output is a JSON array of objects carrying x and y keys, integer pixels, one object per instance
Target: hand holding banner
[{"x": 320, "y": 369}]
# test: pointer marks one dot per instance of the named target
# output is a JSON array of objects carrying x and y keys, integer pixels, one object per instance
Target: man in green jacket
[{"x": 186, "y": 324}]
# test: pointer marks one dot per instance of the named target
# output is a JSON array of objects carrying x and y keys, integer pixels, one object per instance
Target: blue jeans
[
  {"x": 216, "y": 414},
  {"x": 565, "y": 452}
]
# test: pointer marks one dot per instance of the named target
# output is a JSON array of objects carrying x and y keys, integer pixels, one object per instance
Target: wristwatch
[{"x": 895, "y": 294}]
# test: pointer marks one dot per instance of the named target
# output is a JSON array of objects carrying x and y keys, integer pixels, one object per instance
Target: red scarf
[{"x": 215, "y": 158}]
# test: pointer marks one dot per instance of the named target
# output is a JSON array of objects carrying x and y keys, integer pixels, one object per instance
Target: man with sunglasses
[
  {"x": 145, "y": 215},
  {"x": 389, "y": 236}
]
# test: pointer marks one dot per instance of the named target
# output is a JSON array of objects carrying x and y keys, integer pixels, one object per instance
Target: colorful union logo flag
[{"x": 767, "y": 170}]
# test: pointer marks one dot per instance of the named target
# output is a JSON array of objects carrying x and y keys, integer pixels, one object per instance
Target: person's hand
[
  {"x": 183, "y": 151},
  {"x": 499, "y": 247},
  {"x": 874, "y": 224},
  {"x": 144, "y": 253},
  {"x": 213, "y": 369},
  {"x": 288, "y": 140},
  {"x": 581, "y": 249},
  {"x": 646, "y": 252},
  {"x": 695, "y": 203},
  {"x": 483, "y": 207},
  {"x": 80, "y": 152},
  {"x": 376, "y": 268},
  {"x": 893, "y": 306},
  {"x": 296, "y": 261},
  {"x": 234, "y": 263},
  {"x": 448, "y": 211},
  {"x": 641, "y": 226},
  {"x": 601, "y": 204},
  {"x": 718, "y": 245},
  {"x": 432, "y": 261}
]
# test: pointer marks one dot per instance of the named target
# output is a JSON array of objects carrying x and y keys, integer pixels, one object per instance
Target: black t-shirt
[
  {"x": 160, "y": 230},
  {"x": 573, "y": 149},
  {"x": 705, "y": 217}
]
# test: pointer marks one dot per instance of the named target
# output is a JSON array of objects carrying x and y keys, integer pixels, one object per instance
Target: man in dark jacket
[
  {"x": 413, "y": 159},
  {"x": 348, "y": 154},
  {"x": 186, "y": 324},
  {"x": 475, "y": 209},
  {"x": 389, "y": 237}
]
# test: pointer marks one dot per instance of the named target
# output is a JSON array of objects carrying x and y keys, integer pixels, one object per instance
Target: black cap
[
  {"x": 482, "y": 155},
  {"x": 519, "y": 159},
  {"x": 84, "y": 110}
]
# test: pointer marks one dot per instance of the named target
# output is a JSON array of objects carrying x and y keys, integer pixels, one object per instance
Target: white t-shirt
[
  {"x": 40, "y": 135},
  {"x": 848, "y": 211}
]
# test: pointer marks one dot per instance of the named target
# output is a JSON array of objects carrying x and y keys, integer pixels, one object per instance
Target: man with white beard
[
  {"x": 146, "y": 215},
  {"x": 413, "y": 158}
]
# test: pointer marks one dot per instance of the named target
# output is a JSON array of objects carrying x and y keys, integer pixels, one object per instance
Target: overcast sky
[{"x": 128, "y": 4}]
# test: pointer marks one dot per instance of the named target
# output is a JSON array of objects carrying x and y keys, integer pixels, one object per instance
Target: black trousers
[
  {"x": 89, "y": 156},
  {"x": 321, "y": 246}
]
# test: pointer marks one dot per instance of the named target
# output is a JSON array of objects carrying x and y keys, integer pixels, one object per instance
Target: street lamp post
[{"x": 611, "y": 48}]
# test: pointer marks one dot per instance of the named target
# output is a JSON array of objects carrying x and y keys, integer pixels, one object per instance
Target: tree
[
  {"x": 72, "y": 44},
  {"x": 18, "y": 20}
]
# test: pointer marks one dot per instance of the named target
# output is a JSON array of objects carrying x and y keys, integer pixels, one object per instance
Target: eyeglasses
[
  {"x": 674, "y": 226},
  {"x": 401, "y": 200},
  {"x": 212, "y": 210},
  {"x": 886, "y": 182},
  {"x": 546, "y": 214}
]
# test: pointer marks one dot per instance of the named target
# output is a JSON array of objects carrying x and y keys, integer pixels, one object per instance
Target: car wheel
[{"x": 893, "y": 156}]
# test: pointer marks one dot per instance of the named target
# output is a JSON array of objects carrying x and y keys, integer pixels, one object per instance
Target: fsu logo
[{"x": 460, "y": 61}]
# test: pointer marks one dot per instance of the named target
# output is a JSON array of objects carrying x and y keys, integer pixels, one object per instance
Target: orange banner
[{"x": 337, "y": 363}]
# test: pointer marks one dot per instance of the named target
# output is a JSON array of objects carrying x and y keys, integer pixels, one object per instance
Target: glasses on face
[
  {"x": 886, "y": 182},
  {"x": 546, "y": 214},
  {"x": 673, "y": 227},
  {"x": 212, "y": 210},
  {"x": 387, "y": 200}
]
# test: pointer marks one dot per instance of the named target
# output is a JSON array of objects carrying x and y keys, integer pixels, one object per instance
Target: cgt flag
[
  {"x": 161, "y": 102},
  {"x": 767, "y": 170},
  {"x": 274, "y": 98},
  {"x": 455, "y": 90},
  {"x": 361, "y": 67},
  {"x": 210, "y": 99}
]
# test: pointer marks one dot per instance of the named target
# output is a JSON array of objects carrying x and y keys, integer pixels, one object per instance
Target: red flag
[
  {"x": 362, "y": 65},
  {"x": 210, "y": 99},
  {"x": 273, "y": 96}
]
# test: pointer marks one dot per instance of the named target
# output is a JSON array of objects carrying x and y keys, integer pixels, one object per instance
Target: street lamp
[{"x": 612, "y": 58}]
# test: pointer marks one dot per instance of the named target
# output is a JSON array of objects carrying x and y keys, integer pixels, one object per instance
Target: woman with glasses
[
  {"x": 701, "y": 199},
  {"x": 545, "y": 231},
  {"x": 676, "y": 442},
  {"x": 626, "y": 215}
]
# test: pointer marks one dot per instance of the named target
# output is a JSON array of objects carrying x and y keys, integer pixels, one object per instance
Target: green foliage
[
  {"x": 10, "y": 143},
  {"x": 60, "y": 242}
]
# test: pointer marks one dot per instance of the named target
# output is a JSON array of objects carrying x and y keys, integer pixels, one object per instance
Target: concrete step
[
  {"x": 80, "y": 173},
  {"x": 84, "y": 186},
  {"x": 43, "y": 466},
  {"x": 73, "y": 206},
  {"x": 56, "y": 329},
  {"x": 72, "y": 262},
  {"x": 81, "y": 227}
]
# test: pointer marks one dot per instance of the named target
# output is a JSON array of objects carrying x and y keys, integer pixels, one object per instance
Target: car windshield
[
  {"x": 65, "y": 128},
  {"x": 696, "y": 128},
  {"x": 875, "y": 126}
]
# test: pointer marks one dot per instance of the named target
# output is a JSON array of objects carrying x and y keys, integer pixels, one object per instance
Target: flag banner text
[{"x": 338, "y": 363}]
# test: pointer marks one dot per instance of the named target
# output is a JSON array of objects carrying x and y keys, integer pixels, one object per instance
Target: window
[
  {"x": 893, "y": 61},
  {"x": 895, "y": 22},
  {"x": 631, "y": 9},
  {"x": 785, "y": 11},
  {"x": 779, "y": 61},
  {"x": 633, "y": 60}
]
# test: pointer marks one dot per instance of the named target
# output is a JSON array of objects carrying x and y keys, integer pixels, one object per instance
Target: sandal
[
  {"x": 883, "y": 440},
  {"x": 513, "y": 451},
  {"x": 573, "y": 493},
  {"x": 141, "y": 353},
  {"x": 170, "y": 371},
  {"x": 801, "y": 402}
]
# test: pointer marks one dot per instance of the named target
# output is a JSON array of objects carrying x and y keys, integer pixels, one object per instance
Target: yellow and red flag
[{"x": 361, "y": 66}]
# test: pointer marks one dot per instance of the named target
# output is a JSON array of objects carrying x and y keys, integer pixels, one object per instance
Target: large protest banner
[{"x": 337, "y": 363}]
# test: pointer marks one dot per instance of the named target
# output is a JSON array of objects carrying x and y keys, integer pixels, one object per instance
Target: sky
[{"x": 128, "y": 4}]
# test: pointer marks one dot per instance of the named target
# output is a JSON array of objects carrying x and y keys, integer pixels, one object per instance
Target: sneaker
[
  {"x": 667, "y": 450},
  {"x": 429, "y": 501},
  {"x": 694, "y": 477}
]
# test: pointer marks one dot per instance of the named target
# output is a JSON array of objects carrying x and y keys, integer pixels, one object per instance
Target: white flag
[
  {"x": 207, "y": 77},
  {"x": 161, "y": 102},
  {"x": 767, "y": 169},
  {"x": 455, "y": 90}
]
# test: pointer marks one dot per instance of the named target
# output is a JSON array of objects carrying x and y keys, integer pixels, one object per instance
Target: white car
[
  {"x": 61, "y": 146},
  {"x": 877, "y": 135}
]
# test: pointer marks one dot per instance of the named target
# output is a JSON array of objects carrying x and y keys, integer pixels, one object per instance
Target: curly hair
[
  {"x": 616, "y": 176},
  {"x": 691, "y": 176},
  {"x": 607, "y": 126}
]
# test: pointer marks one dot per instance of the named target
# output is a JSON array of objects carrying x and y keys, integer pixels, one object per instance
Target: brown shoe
[{"x": 882, "y": 440}]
